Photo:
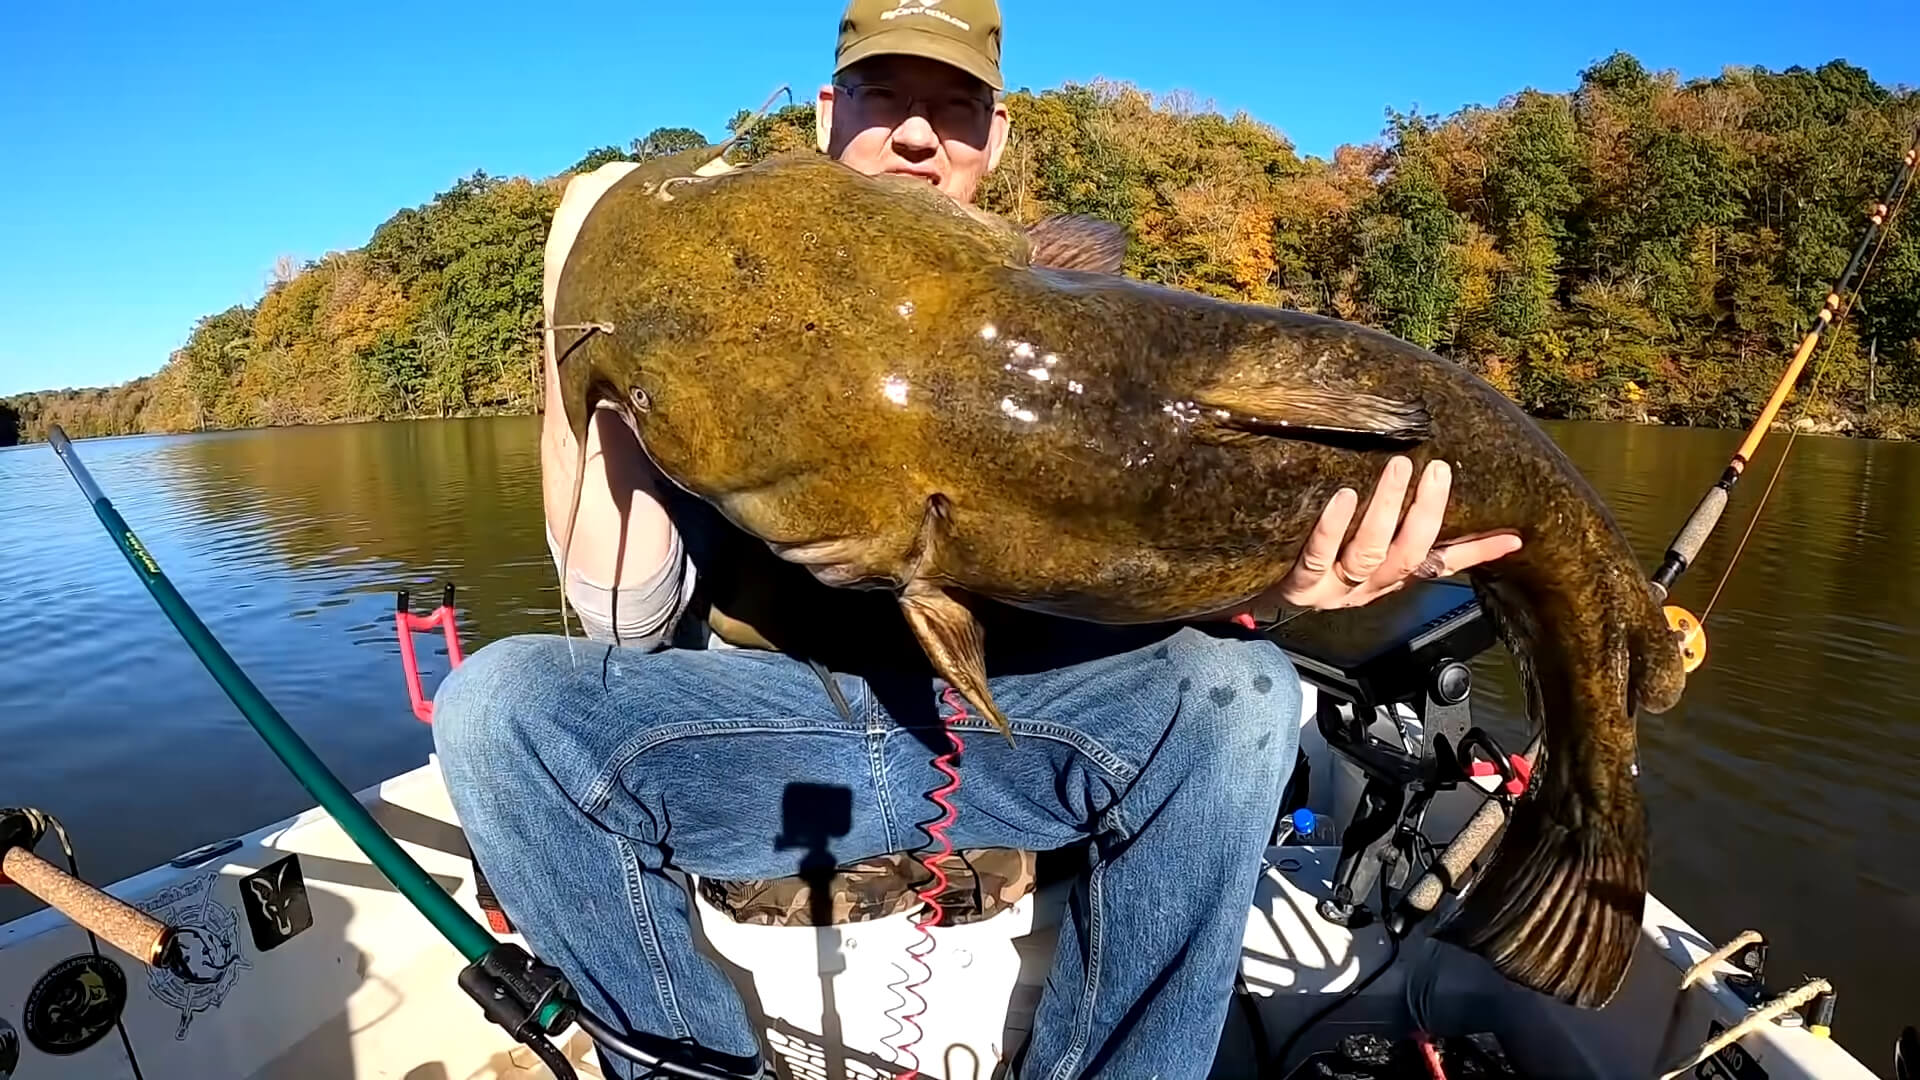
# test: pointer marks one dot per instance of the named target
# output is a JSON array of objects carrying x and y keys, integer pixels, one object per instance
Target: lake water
[{"x": 1784, "y": 790}]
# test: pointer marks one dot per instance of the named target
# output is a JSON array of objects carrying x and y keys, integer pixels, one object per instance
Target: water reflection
[{"x": 382, "y": 506}]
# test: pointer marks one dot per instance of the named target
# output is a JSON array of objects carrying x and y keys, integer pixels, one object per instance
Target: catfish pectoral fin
[
  {"x": 1296, "y": 410},
  {"x": 955, "y": 645}
]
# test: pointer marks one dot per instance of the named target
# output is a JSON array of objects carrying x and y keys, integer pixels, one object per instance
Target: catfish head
[
  {"x": 654, "y": 176},
  {"x": 580, "y": 392}
]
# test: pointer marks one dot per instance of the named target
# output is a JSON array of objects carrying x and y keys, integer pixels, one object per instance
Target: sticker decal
[
  {"x": 9, "y": 1050},
  {"x": 275, "y": 898},
  {"x": 74, "y": 1004},
  {"x": 1732, "y": 1063},
  {"x": 208, "y": 932}
]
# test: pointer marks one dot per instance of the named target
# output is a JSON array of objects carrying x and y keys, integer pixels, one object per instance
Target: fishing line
[
  {"x": 1279, "y": 1060},
  {"x": 1813, "y": 393},
  {"x": 1256, "y": 1026},
  {"x": 590, "y": 329}
]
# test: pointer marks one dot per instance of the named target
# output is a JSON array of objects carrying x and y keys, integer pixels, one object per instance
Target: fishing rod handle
[
  {"x": 123, "y": 926},
  {"x": 1693, "y": 535},
  {"x": 1452, "y": 867}
]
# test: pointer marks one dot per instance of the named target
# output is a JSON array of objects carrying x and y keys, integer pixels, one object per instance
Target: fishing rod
[
  {"x": 531, "y": 1000},
  {"x": 1686, "y": 543}
]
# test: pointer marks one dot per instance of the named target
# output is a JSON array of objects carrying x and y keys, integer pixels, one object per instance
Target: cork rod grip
[
  {"x": 1473, "y": 838},
  {"x": 128, "y": 929},
  {"x": 1466, "y": 846}
]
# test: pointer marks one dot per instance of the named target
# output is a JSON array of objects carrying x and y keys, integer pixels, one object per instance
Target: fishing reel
[
  {"x": 1402, "y": 658},
  {"x": 1693, "y": 636}
]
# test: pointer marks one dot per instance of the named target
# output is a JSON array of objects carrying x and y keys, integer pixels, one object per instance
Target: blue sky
[{"x": 155, "y": 159}]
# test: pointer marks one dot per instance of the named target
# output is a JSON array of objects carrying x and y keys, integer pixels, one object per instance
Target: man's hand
[{"x": 1378, "y": 561}]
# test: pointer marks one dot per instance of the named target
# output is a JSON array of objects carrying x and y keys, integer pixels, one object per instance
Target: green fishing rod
[{"x": 529, "y": 999}]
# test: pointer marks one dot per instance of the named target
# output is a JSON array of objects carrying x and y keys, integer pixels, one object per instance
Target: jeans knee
[
  {"x": 483, "y": 707},
  {"x": 1249, "y": 692}
]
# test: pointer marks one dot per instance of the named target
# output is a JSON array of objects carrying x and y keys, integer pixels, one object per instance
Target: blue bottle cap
[{"x": 1303, "y": 820}]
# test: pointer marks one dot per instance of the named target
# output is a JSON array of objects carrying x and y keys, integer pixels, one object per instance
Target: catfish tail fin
[{"x": 1559, "y": 908}]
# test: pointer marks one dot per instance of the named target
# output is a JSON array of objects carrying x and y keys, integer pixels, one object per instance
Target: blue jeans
[{"x": 579, "y": 786}]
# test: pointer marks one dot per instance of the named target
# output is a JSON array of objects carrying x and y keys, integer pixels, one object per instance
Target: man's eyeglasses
[{"x": 887, "y": 106}]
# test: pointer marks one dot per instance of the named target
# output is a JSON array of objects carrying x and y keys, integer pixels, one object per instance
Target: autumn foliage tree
[{"x": 1640, "y": 247}]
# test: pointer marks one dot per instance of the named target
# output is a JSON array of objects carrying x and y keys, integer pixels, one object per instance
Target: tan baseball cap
[{"x": 964, "y": 33}]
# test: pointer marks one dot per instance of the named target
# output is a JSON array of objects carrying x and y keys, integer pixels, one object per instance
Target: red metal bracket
[
  {"x": 1522, "y": 773},
  {"x": 406, "y": 624}
]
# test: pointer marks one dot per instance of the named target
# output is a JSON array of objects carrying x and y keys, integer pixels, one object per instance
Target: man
[{"x": 582, "y": 776}]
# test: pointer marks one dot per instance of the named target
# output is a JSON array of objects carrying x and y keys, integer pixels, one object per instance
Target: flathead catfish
[{"x": 879, "y": 384}]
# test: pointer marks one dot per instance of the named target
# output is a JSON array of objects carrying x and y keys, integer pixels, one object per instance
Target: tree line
[{"x": 1640, "y": 247}]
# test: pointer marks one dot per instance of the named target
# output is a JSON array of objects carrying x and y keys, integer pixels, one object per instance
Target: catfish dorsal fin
[
  {"x": 1287, "y": 409},
  {"x": 1077, "y": 242}
]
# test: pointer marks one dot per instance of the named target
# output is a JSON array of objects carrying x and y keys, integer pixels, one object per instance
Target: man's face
[{"x": 914, "y": 117}]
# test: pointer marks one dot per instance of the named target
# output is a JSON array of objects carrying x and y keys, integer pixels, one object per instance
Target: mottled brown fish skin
[{"x": 875, "y": 382}]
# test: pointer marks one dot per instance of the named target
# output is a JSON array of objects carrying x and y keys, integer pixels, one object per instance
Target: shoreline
[{"x": 1902, "y": 426}]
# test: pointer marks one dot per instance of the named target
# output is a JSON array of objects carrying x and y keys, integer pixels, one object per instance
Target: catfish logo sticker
[
  {"x": 209, "y": 936},
  {"x": 73, "y": 1005}
]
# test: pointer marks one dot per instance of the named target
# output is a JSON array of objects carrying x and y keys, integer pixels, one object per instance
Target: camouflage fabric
[{"x": 981, "y": 883}]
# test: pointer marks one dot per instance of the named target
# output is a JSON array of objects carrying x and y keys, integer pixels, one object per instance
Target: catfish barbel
[{"x": 881, "y": 385}]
